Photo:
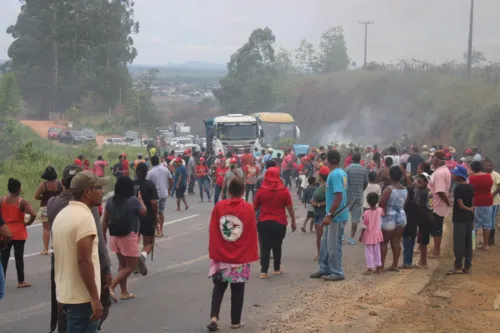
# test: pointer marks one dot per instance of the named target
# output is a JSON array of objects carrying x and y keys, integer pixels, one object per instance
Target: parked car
[
  {"x": 115, "y": 142},
  {"x": 130, "y": 136},
  {"x": 89, "y": 133},
  {"x": 53, "y": 133},
  {"x": 72, "y": 137}
]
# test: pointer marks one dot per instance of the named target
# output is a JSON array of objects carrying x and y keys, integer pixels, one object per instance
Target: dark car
[
  {"x": 72, "y": 137},
  {"x": 89, "y": 133}
]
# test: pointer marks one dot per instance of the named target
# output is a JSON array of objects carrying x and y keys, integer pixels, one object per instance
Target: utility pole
[
  {"x": 140, "y": 116},
  {"x": 471, "y": 30},
  {"x": 366, "y": 38}
]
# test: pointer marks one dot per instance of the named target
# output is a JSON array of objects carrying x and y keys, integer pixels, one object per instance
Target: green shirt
[{"x": 319, "y": 196}]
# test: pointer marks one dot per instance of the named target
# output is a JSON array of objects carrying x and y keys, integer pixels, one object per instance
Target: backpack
[{"x": 121, "y": 222}]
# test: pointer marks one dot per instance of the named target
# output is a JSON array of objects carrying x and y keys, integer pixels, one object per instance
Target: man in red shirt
[
  {"x": 202, "y": 177},
  {"x": 220, "y": 172},
  {"x": 251, "y": 173},
  {"x": 246, "y": 159},
  {"x": 79, "y": 161}
]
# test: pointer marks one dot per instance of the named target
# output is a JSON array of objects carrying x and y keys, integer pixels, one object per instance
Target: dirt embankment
[{"x": 41, "y": 127}]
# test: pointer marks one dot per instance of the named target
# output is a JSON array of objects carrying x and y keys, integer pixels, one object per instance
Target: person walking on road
[
  {"x": 13, "y": 208},
  {"x": 357, "y": 178},
  {"x": 272, "y": 201},
  {"x": 50, "y": 187},
  {"x": 76, "y": 261},
  {"x": 330, "y": 253},
  {"x": 99, "y": 166},
  {"x": 162, "y": 179},
  {"x": 220, "y": 173},
  {"x": 180, "y": 181},
  {"x": 54, "y": 206},
  {"x": 251, "y": 172},
  {"x": 232, "y": 247},
  {"x": 234, "y": 171},
  {"x": 190, "y": 160},
  {"x": 121, "y": 217},
  {"x": 319, "y": 202},
  {"x": 150, "y": 196},
  {"x": 203, "y": 178}
]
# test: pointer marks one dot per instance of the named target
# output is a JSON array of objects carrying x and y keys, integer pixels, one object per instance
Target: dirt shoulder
[{"x": 458, "y": 303}]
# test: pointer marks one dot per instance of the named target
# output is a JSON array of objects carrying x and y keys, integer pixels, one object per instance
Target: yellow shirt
[
  {"x": 496, "y": 181},
  {"x": 72, "y": 224}
]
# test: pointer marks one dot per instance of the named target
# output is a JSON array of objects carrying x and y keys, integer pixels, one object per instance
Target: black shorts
[
  {"x": 147, "y": 229},
  {"x": 437, "y": 226},
  {"x": 180, "y": 192},
  {"x": 424, "y": 233},
  {"x": 310, "y": 215}
]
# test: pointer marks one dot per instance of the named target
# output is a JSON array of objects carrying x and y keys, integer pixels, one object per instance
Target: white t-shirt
[
  {"x": 369, "y": 189},
  {"x": 496, "y": 181},
  {"x": 72, "y": 224}
]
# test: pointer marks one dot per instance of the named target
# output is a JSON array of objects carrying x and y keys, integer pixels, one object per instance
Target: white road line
[{"x": 166, "y": 223}]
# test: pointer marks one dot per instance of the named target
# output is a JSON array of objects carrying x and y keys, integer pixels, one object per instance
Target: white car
[{"x": 115, "y": 142}]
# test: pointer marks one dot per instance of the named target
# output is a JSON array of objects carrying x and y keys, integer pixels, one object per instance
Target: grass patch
[{"x": 33, "y": 154}]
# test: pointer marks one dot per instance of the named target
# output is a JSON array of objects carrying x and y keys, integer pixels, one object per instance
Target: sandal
[
  {"x": 452, "y": 271},
  {"x": 235, "y": 327},
  {"x": 392, "y": 269},
  {"x": 368, "y": 272},
  {"x": 113, "y": 296},
  {"x": 213, "y": 326},
  {"x": 44, "y": 253},
  {"x": 303, "y": 229},
  {"x": 23, "y": 285},
  {"x": 127, "y": 297},
  {"x": 278, "y": 273},
  {"x": 466, "y": 271},
  {"x": 263, "y": 276},
  {"x": 406, "y": 267}
]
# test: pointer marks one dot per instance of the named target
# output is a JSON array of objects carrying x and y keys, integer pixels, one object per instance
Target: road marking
[
  {"x": 166, "y": 223},
  {"x": 182, "y": 264}
]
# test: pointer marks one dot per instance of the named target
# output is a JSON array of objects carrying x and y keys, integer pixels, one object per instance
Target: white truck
[{"x": 233, "y": 133}]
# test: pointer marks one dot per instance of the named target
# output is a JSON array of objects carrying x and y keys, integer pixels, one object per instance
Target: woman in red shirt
[
  {"x": 273, "y": 200},
  {"x": 13, "y": 208},
  {"x": 220, "y": 172},
  {"x": 203, "y": 180},
  {"x": 483, "y": 200}
]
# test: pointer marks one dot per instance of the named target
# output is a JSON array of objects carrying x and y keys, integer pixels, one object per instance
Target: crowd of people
[{"x": 398, "y": 198}]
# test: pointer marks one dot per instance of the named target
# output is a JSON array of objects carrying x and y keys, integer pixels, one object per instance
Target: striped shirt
[{"x": 357, "y": 178}]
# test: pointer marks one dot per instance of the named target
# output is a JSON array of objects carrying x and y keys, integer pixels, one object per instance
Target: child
[
  {"x": 423, "y": 201},
  {"x": 372, "y": 187},
  {"x": 463, "y": 221},
  {"x": 410, "y": 232},
  {"x": 306, "y": 199},
  {"x": 371, "y": 235}
]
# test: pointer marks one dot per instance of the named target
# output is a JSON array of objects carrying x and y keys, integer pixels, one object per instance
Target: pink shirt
[
  {"x": 372, "y": 224},
  {"x": 440, "y": 183},
  {"x": 99, "y": 167}
]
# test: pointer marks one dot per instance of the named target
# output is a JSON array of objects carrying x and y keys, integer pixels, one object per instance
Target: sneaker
[
  {"x": 333, "y": 277},
  {"x": 142, "y": 265},
  {"x": 343, "y": 238},
  {"x": 317, "y": 275},
  {"x": 351, "y": 241}
]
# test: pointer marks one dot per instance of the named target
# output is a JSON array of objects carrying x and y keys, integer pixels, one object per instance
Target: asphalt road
[{"x": 175, "y": 296}]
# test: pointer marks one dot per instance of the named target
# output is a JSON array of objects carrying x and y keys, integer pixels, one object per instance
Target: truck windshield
[
  {"x": 236, "y": 131},
  {"x": 274, "y": 132}
]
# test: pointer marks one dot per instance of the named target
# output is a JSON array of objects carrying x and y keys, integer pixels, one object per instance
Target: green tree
[
  {"x": 333, "y": 55},
  {"x": 478, "y": 58},
  {"x": 251, "y": 79},
  {"x": 140, "y": 105},
  {"x": 64, "y": 49},
  {"x": 305, "y": 58},
  {"x": 10, "y": 97}
]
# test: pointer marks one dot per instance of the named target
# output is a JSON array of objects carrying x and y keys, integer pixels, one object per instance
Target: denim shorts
[
  {"x": 483, "y": 217},
  {"x": 162, "y": 203},
  {"x": 318, "y": 219},
  {"x": 78, "y": 318},
  {"x": 394, "y": 220}
]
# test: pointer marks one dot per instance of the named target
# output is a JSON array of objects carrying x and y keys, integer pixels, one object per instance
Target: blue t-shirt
[
  {"x": 337, "y": 183},
  {"x": 180, "y": 171}
]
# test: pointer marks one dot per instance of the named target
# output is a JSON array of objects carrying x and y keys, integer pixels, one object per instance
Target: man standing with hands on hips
[{"x": 330, "y": 253}]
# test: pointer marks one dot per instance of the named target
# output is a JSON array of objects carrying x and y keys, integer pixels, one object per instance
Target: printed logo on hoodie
[{"x": 231, "y": 228}]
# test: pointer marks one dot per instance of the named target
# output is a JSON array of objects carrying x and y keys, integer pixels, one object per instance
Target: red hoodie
[{"x": 233, "y": 232}]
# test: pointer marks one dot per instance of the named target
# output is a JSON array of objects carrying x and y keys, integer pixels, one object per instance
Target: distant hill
[{"x": 190, "y": 69}]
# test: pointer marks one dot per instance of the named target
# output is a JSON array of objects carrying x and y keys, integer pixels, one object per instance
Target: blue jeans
[
  {"x": 330, "y": 249},
  {"x": 78, "y": 318},
  {"x": 2, "y": 282},
  {"x": 204, "y": 184},
  {"x": 408, "y": 247}
]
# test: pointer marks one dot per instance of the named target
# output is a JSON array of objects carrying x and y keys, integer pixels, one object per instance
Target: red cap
[
  {"x": 233, "y": 161},
  {"x": 448, "y": 156},
  {"x": 313, "y": 149},
  {"x": 468, "y": 151},
  {"x": 202, "y": 159},
  {"x": 178, "y": 160},
  {"x": 189, "y": 150},
  {"x": 305, "y": 158},
  {"x": 324, "y": 170},
  {"x": 124, "y": 155},
  {"x": 311, "y": 156},
  {"x": 221, "y": 153}
]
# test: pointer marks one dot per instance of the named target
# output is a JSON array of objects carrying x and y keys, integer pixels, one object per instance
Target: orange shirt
[{"x": 14, "y": 219}]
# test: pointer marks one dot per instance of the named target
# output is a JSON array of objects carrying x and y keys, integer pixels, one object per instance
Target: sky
[{"x": 211, "y": 30}]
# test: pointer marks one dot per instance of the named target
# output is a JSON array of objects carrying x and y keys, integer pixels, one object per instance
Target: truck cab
[{"x": 231, "y": 133}]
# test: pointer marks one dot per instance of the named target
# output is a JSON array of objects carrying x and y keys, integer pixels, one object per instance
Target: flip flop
[
  {"x": 44, "y": 253},
  {"x": 127, "y": 297},
  {"x": 23, "y": 285},
  {"x": 113, "y": 296},
  {"x": 213, "y": 326},
  {"x": 392, "y": 269},
  {"x": 303, "y": 229},
  {"x": 278, "y": 273},
  {"x": 263, "y": 276},
  {"x": 235, "y": 327},
  {"x": 452, "y": 271}
]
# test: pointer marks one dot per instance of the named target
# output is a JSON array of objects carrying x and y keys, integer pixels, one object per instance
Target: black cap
[{"x": 70, "y": 171}]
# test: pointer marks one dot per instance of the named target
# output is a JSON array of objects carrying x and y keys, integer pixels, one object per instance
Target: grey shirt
[
  {"x": 191, "y": 167},
  {"x": 357, "y": 180},
  {"x": 56, "y": 204}
]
